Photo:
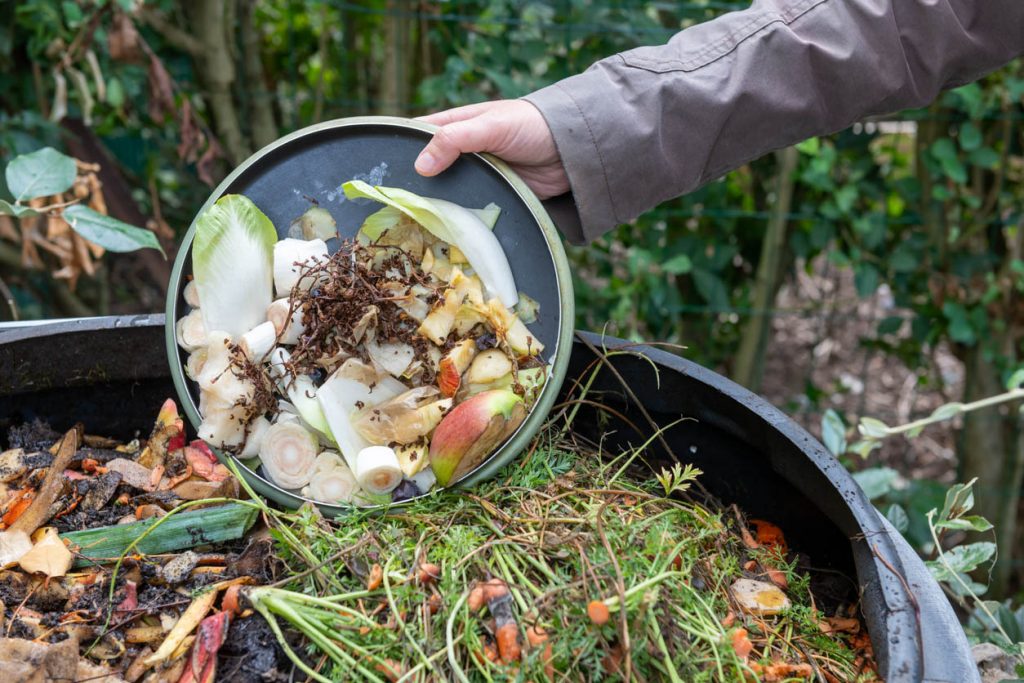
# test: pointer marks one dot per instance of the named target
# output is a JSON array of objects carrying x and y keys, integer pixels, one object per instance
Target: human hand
[{"x": 513, "y": 130}]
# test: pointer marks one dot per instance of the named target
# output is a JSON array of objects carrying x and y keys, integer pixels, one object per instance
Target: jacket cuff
[{"x": 581, "y": 157}]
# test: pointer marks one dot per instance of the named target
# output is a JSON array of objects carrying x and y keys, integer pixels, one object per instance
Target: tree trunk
[
  {"x": 748, "y": 367},
  {"x": 992, "y": 449},
  {"x": 394, "y": 82},
  {"x": 261, "y": 108},
  {"x": 207, "y": 20}
]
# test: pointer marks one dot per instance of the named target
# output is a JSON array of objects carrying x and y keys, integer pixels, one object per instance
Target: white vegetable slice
[
  {"x": 377, "y": 469},
  {"x": 393, "y": 358},
  {"x": 190, "y": 331},
  {"x": 232, "y": 258},
  {"x": 217, "y": 378},
  {"x": 191, "y": 294},
  {"x": 301, "y": 391},
  {"x": 288, "y": 452},
  {"x": 257, "y": 342},
  {"x": 257, "y": 430},
  {"x": 291, "y": 258},
  {"x": 223, "y": 427},
  {"x": 424, "y": 479},
  {"x": 345, "y": 392},
  {"x": 332, "y": 480},
  {"x": 287, "y": 322},
  {"x": 455, "y": 225},
  {"x": 195, "y": 362}
]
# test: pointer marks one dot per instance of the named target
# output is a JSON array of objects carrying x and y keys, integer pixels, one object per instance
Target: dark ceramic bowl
[{"x": 315, "y": 161}]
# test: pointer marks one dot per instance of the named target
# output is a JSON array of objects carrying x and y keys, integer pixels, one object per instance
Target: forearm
[{"x": 656, "y": 122}]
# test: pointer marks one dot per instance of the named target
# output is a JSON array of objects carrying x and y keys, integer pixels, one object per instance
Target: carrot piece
[
  {"x": 729, "y": 619},
  {"x": 376, "y": 578},
  {"x": 231, "y": 600},
  {"x": 391, "y": 669},
  {"x": 475, "y": 601},
  {"x": 536, "y": 636},
  {"x": 598, "y": 613},
  {"x": 778, "y": 578},
  {"x": 770, "y": 535},
  {"x": 428, "y": 573},
  {"x": 21, "y": 503},
  {"x": 494, "y": 589},
  {"x": 741, "y": 644},
  {"x": 507, "y": 637}
]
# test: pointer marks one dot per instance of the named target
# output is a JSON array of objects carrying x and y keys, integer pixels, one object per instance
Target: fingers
[
  {"x": 470, "y": 135},
  {"x": 442, "y": 118}
]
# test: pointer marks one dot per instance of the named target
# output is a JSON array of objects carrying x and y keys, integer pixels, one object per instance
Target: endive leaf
[
  {"x": 455, "y": 225},
  {"x": 233, "y": 261}
]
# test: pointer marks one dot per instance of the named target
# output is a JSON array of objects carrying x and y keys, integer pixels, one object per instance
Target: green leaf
[
  {"x": 970, "y": 137},
  {"x": 967, "y": 558},
  {"x": 39, "y": 174},
  {"x": 960, "y": 329},
  {"x": 890, "y": 325},
  {"x": 863, "y": 448},
  {"x": 985, "y": 157},
  {"x": 865, "y": 277},
  {"x": 876, "y": 481},
  {"x": 109, "y": 233},
  {"x": 968, "y": 523},
  {"x": 711, "y": 287},
  {"x": 897, "y": 516},
  {"x": 810, "y": 146},
  {"x": 833, "y": 432},
  {"x": 16, "y": 210},
  {"x": 872, "y": 428},
  {"x": 947, "y": 411},
  {"x": 678, "y": 265},
  {"x": 959, "y": 500},
  {"x": 1016, "y": 380},
  {"x": 115, "y": 93}
]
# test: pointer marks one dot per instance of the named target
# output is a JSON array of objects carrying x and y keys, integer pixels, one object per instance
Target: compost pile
[
  {"x": 569, "y": 566},
  {"x": 114, "y": 556},
  {"x": 574, "y": 564}
]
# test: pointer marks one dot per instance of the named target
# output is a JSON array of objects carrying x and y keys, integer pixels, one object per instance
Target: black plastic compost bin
[{"x": 111, "y": 374}]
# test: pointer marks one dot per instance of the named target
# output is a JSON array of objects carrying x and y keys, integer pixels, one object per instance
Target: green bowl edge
[{"x": 537, "y": 416}]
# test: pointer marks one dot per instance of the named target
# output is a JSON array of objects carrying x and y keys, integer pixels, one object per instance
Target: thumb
[{"x": 470, "y": 135}]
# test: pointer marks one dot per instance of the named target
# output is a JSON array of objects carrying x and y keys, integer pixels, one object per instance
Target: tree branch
[{"x": 178, "y": 38}]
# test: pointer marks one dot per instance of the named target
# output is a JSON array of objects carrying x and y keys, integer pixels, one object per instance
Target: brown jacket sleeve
[{"x": 653, "y": 123}]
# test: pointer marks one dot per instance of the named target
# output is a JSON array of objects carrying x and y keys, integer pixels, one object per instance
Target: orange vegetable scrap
[
  {"x": 770, "y": 536},
  {"x": 598, "y": 612},
  {"x": 741, "y": 644},
  {"x": 376, "y": 578}
]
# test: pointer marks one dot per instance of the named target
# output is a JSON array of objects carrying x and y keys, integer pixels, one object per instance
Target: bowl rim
[{"x": 560, "y": 358}]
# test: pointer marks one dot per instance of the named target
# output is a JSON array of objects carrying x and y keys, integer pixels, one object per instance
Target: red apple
[{"x": 471, "y": 431}]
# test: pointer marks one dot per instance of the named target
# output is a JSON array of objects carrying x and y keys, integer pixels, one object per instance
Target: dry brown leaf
[
  {"x": 161, "y": 90},
  {"x": 48, "y": 556},
  {"x": 123, "y": 40}
]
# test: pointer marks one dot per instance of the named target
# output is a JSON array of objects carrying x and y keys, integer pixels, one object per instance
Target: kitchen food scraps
[{"x": 391, "y": 367}]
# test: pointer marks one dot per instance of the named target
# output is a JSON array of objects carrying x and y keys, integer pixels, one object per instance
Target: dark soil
[{"x": 251, "y": 654}]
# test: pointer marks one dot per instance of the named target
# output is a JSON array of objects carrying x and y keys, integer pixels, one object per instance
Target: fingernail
[{"x": 426, "y": 163}]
